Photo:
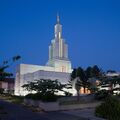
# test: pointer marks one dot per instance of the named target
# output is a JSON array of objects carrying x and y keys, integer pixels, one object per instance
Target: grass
[
  {"x": 17, "y": 100},
  {"x": 12, "y": 98}
]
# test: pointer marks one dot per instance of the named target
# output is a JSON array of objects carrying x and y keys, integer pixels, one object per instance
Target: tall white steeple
[
  {"x": 58, "y": 28},
  {"x": 58, "y": 50},
  {"x": 58, "y": 18}
]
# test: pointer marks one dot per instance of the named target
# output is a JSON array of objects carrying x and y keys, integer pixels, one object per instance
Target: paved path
[{"x": 18, "y": 112}]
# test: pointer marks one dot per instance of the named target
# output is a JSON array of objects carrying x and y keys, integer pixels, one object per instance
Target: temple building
[
  {"x": 58, "y": 66},
  {"x": 58, "y": 51}
]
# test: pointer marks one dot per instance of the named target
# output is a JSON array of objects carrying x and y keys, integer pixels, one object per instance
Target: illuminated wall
[{"x": 26, "y": 73}]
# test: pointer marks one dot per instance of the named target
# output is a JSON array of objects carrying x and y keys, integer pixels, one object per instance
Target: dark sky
[{"x": 91, "y": 29}]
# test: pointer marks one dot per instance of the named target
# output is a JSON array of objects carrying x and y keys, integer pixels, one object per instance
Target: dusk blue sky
[{"x": 90, "y": 27}]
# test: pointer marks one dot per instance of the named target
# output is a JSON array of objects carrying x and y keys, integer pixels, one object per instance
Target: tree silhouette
[
  {"x": 83, "y": 77},
  {"x": 6, "y": 64},
  {"x": 78, "y": 76}
]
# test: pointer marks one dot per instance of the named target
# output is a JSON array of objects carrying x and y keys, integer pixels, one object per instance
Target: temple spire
[{"x": 58, "y": 18}]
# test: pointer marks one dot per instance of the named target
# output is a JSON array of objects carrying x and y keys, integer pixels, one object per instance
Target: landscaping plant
[{"x": 109, "y": 109}]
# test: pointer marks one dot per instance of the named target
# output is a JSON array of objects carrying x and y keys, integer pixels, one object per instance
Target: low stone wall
[
  {"x": 32, "y": 102},
  {"x": 55, "y": 106},
  {"x": 79, "y": 106},
  {"x": 47, "y": 106}
]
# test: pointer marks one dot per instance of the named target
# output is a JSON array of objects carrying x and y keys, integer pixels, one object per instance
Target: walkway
[{"x": 86, "y": 113}]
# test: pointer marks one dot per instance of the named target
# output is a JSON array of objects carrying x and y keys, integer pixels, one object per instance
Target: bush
[
  {"x": 109, "y": 109},
  {"x": 1, "y": 90},
  {"x": 68, "y": 94},
  {"x": 48, "y": 97},
  {"x": 29, "y": 96},
  {"x": 101, "y": 95},
  {"x": 36, "y": 96},
  {"x": 17, "y": 99},
  {"x": 11, "y": 92}
]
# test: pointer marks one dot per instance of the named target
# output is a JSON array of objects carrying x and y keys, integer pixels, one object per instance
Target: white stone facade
[
  {"x": 26, "y": 73},
  {"x": 58, "y": 51}
]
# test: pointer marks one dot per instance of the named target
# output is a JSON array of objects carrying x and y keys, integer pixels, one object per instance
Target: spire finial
[{"x": 58, "y": 18}]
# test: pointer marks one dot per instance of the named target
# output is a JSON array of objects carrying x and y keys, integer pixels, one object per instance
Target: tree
[
  {"x": 75, "y": 81},
  {"x": 73, "y": 74},
  {"x": 81, "y": 74},
  {"x": 45, "y": 86},
  {"x": 88, "y": 72},
  {"x": 78, "y": 76},
  {"x": 96, "y": 72},
  {"x": 78, "y": 85},
  {"x": 84, "y": 76},
  {"x": 6, "y": 64},
  {"x": 31, "y": 86},
  {"x": 93, "y": 72}
]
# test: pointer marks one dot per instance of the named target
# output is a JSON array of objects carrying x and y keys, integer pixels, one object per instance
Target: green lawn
[{"x": 12, "y": 98}]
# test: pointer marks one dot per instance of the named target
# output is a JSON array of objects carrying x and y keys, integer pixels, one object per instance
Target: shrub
[
  {"x": 48, "y": 97},
  {"x": 68, "y": 94},
  {"x": 36, "y": 96},
  {"x": 1, "y": 90},
  {"x": 109, "y": 109},
  {"x": 29, "y": 96},
  {"x": 101, "y": 95},
  {"x": 17, "y": 99}
]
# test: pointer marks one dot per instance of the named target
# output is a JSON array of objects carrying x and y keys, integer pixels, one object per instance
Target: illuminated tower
[{"x": 58, "y": 51}]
